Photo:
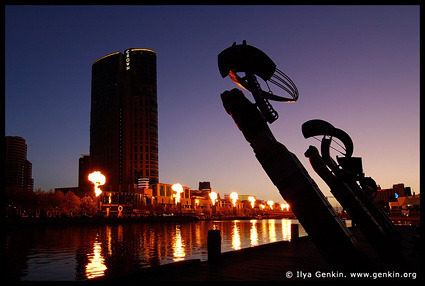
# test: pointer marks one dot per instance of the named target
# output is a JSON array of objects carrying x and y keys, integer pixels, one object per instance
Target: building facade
[
  {"x": 123, "y": 121},
  {"x": 384, "y": 196},
  {"x": 18, "y": 170}
]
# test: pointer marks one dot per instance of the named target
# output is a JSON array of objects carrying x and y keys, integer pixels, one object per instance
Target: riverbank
[
  {"x": 38, "y": 221},
  {"x": 94, "y": 220}
]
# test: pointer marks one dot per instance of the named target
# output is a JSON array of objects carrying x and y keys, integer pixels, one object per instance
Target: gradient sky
[{"x": 356, "y": 67}]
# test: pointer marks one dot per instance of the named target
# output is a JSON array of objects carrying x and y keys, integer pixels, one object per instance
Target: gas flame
[
  {"x": 284, "y": 206},
  {"x": 234, "y": 197},
  {"x": 252, "y": 200},
  {"x": 213, "y": 197},
  {"x": 270, "y": 203},
  {"x": 97, "y": 179},
  {"x": 178, "y": 188}
]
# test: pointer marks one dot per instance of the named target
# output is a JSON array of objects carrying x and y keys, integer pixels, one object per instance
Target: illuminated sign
[{"x": 127, "y": 59}]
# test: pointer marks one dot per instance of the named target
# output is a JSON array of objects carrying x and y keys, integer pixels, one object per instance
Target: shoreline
[{"x": 68, "y": 221}]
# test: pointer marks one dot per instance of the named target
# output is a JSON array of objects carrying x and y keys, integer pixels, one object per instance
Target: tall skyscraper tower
[
  {"x": 18, "y": 170},
  {"x": 124, "y": 120}
]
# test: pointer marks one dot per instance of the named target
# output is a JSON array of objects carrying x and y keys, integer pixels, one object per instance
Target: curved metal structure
[
  {"x": 346, "y": 167},
  {"x": 356, "y": 200},
  {"x": 254, "y": 62}
]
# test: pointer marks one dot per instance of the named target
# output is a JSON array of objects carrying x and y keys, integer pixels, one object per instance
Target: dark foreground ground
[{"x": 298, "y": 260}]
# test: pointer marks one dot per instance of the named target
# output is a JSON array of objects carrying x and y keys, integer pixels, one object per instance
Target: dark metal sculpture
[
  {"x": 346, "y": 167},
  {"x": 334, "y": 241},
  {"x": 352, "y": 189},
  {"x": 344, "y": 175},
  {"x": 253, "y": 62}
]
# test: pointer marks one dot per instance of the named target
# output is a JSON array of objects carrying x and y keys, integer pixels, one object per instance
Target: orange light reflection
[{"x": 96, "y": 266}]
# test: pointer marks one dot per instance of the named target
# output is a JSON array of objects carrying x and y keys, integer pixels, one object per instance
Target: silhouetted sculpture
[
  {"x": 252, "y": 61},
  {"x": 342, "y": 178},
  {"x": 321, "y": 222},
  {"x": 345, "y": 176}
]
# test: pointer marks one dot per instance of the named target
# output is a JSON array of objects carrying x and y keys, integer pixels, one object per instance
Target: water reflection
[
  {"x": 178, "y": 246},
  {"x": 236, "y": 239},
  {"x": 84, "y": 252},
  {"x": 253, "y": 235},
  {"x": 272, "y": 230},
  {"x": 96, "y": 266},
  {"x": 286, "y": 229}
]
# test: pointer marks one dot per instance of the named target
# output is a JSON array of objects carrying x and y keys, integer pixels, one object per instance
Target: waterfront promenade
[{"x": 279, "y": 261}]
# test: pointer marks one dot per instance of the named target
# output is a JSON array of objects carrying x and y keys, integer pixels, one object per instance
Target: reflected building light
[
  {"x": 236, "y": 239},
  {"x": 272, "y": 230},
  {"x": 96, "y": 266},
  {"x": 264, "y": 229},
  {"x": 120, "y": 233},
  {"x": 286, "y": 229},
  {"x": 198, "y": 234},
  {"x": 253, "y": 233},
  {"x": 216, "y": 226},
  {"x": 109, "y": 237},
  {"x": 178, "y": 246}
]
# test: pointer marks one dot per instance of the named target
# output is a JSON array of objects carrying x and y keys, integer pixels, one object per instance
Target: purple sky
[{"x": 356, "y": 67}]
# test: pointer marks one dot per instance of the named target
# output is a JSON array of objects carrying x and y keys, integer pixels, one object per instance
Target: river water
[{"x": 54, "y": 253}]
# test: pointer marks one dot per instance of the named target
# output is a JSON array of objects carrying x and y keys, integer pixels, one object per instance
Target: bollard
[
  {"x": 214, "y": 245},
  {"x": 294, "y": 232}
]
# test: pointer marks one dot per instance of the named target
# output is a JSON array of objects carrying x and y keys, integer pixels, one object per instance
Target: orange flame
[
  {"x": 234, "y": 197},
  {"x": 284, "y": 206},
  {"x": 97, "y": 179},
  {"x": 178, "y": 188},
  {"x": 270, "y": 203},
  {"x": 213, "y": 197},
  {"x": 252, "y": 200}
]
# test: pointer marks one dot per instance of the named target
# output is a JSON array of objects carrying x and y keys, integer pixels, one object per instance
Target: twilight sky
[{"x": 356, "y": 67}]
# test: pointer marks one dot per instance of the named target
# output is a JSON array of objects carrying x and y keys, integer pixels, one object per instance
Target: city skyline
[{"x": 355, "y": 66}]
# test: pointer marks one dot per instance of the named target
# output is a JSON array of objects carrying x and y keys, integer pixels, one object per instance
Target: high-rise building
[
  {"x": 18, "y": 170},
  {"x": 123, "y": 121}
]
